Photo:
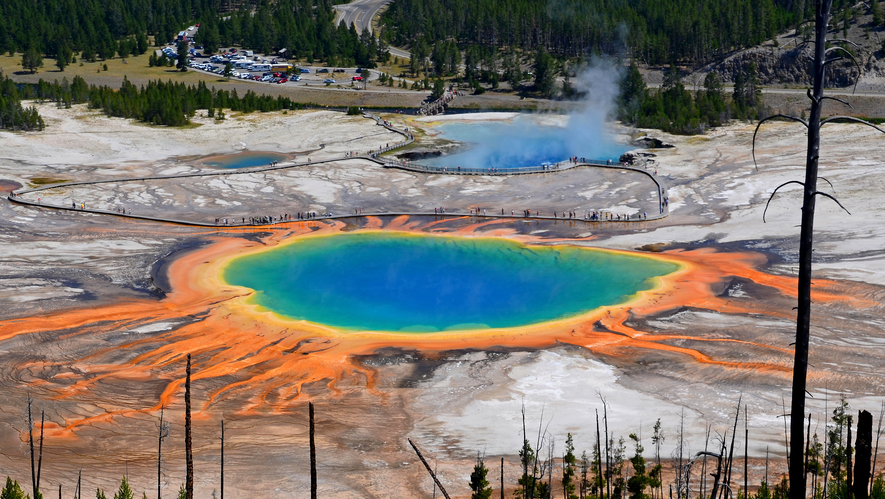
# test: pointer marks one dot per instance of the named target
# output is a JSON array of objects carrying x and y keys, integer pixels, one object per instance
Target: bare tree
[
  {"x": 878, "y": 434},
  {"x": 188, "y": 445},
  {"x": 822, "y": 58},
  {"x": 31, "y": 446},
  {"x": 313, "y": 455},
  {"x": 222, "y": 459},
  {"x": 40, "y": 451},
  {"x": 432, "y": 474},
  {"x": 163, "y": 433}
]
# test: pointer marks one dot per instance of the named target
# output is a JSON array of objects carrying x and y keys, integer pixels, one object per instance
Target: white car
[
  {"x": 245, "y": 75},
  {"x": 235, "y": 74}
]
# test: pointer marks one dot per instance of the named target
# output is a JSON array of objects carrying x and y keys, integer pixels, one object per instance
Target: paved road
[
  {"x": 847, "y": 91},
  {"x": 359, "y": 13}
]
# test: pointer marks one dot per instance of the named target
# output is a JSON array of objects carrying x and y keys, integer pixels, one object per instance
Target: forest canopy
[{"x": 653, "y": 31}]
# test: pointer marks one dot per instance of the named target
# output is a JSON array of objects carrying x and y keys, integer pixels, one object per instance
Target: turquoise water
[
  {"x": 523, "y": 142},
  {"x": 244, "y": 160},
  {"x": 404, "y": 282}
]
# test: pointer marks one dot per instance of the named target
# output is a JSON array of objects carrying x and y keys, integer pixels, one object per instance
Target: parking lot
[{"x": 249, "y": 66}]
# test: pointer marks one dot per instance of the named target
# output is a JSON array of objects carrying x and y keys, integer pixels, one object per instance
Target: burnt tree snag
[
  {"x": 862, "y": 455},
  {"x": 313, "y": 454},
  {"x": 163, "y": 433},
  {"x": 188, "y": 445},
  {"x": 222, "y": 459},
  {"x": 432, "y": 474},
  {"x": 822, "y": 57}
]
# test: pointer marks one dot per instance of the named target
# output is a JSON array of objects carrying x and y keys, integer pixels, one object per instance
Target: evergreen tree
[
  {"x": 12, "y": 490},
  {"x": 632, "y": 95},
  {"x": 31, "y": 60},
  {"x": 528, "y": 483},
  {"x": 479, "y": 484},
  {"x": 125, "y": 492},
  {"x": 141, "y": 43},
  {"x": 544, "y": 73},
  {"x": 439, "y": 88},
  {"x": 181, "y": 63},
  {"x": 637, "y": 483},
  {"x": 99, "y": 494},
  {"x": 61, "y": 61},
  {"x": 568, "y": 469}
]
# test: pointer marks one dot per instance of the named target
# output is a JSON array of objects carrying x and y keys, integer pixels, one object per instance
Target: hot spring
[
  {"x": 406, "y": 282},
  {"x": 527, "y": 141},
  {"x": 244, "y": 159}
]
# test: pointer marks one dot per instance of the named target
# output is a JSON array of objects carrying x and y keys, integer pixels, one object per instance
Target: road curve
[{"x": 360, "y": 13}]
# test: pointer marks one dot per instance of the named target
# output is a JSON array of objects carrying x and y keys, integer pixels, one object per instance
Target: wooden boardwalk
[{"x": 374, "y": 156}]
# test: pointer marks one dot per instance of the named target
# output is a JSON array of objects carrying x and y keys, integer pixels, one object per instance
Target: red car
[{"x": 283, "y": 80}]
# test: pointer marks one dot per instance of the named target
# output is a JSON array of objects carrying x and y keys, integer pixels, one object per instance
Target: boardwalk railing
[{"x": 663, "y": 204}]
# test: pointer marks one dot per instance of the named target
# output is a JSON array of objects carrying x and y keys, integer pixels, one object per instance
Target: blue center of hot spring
[
  {"x": 405, "y": 282},
  {"x": 245, "y": 160},
  {"x": 524, "y": 142}
]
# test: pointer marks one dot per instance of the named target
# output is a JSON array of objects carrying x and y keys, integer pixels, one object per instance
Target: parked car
[
  {"x": 339, "y": 70},
  {"x": 359, "y": 70},
  {"x": 323, "y": 70},
  {"x": 305, "y": 70},
  {"x": 283, "y": 80},
  {"x": 357, "y": 78},
  {"x": 328, "y": 80}
]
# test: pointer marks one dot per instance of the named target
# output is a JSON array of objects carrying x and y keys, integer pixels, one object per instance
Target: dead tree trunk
[
  {"x": 862, "y": 453},
  {"x": 79, "y": 477},
  {"x": 502, "y": 478},
  {"x": 188, "y": 445},
  {"x": 848, "y": 470},
  {"x": 313, "y": 454},
  {"x": 33, "y": 457},
  {"x": 746, "y": 451},
  {"x": 222, "y": 459},
  {"x": 597, "y": 490},
  {"x": 806, "y": 239},
  {"x": 40, "y": 451},
  {"x": 163, "y": 433},
  {"x": 432, "y": 474}
]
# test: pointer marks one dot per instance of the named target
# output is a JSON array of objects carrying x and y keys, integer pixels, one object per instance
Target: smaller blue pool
[
  {"x": 526, "y": 141},
  {"x": 244, "y": 160}
]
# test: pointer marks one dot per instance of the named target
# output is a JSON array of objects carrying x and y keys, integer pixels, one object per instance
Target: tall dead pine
[
  {"x": 163, "y": 433},
  {"x": 824, "y": 54},
  {"x": 432, "y": 474},
  {"x": 222, "y": 459},
  {"x": 863, "y": 455},
  {"x": 313, "y": 454},
  {"x": 31, "y": 446},
  {"x": 188, "y": 445}
]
